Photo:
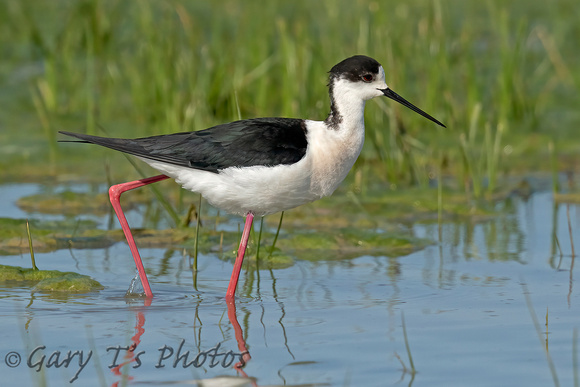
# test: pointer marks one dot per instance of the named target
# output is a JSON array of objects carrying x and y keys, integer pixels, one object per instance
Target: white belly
[{"x": 259, "y": 189}]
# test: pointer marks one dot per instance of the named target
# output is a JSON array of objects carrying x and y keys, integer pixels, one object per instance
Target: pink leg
[
  {"x": 240, "y": 258},
  {"x": 115, "y": 196}
]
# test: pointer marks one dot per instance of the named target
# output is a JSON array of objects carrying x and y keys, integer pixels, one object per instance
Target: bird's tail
[{"x": 118, "y": 144}]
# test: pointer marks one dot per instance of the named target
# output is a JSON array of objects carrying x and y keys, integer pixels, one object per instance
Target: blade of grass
[
  {"x": 440, "y": 199},
  {"x": 30, "y": 246},
  {"x": 277, "y": 233},
  {"x": 554, "y": 168},
  {"x": 259, "y": 239}
]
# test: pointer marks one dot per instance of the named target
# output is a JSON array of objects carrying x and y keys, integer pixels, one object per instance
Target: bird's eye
[{"x": 367, "y": 77}]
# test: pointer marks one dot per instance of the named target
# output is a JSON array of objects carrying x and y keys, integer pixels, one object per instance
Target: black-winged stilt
[{"x": 261, "y": 166}]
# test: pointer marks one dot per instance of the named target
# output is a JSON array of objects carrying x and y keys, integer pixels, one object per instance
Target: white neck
[
  {"x": 346, "y": 107},
  {"x": 335, "y": 144}
]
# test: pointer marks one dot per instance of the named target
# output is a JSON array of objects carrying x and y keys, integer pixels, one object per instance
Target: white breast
[{"x": 333, "y": 153}]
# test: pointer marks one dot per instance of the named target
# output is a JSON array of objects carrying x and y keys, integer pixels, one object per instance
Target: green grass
[{"x": 503, "y": 76}]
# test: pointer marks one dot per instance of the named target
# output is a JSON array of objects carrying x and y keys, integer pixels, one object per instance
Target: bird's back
[{"x": 244, "y": 143}]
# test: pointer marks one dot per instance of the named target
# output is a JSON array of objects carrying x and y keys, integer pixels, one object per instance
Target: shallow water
[{"x": 326, "y": 322}]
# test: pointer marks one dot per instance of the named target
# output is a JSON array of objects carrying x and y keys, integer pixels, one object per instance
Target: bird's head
[{"x": 365, "y": 78}]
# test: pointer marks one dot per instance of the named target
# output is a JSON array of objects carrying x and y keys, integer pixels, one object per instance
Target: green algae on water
[
  {"x": 569, "y": 197},
  {"x": 66, "y": 202},
  {"x": 48, "y": 280},
  {"x": 69, "y": 283},
  {"x": 350, "y": 243},
  {"x": 69, "y": 203}
]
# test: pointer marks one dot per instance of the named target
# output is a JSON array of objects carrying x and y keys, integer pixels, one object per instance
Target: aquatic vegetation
[
  {"x": 48, "y": 280},
  {"x": 567, "y": 197},
  {"x": 349, "y": 243},
  {"x": 50, "y": 235},
  {"x": 341, "y": 226},
  {"x": 66, "y": 202}
]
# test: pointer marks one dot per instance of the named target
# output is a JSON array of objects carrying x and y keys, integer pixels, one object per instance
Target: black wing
[{"x": 245, "y": 143}]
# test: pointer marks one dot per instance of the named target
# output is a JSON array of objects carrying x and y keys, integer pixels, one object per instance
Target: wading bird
[{"x": 261, "y": 166}]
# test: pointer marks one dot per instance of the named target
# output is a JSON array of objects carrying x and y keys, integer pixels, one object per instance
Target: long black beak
[{"x": 396, "y": 97}]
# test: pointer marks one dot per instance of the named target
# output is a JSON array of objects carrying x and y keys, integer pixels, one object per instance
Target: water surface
[{"x": 324, "y": 322}]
